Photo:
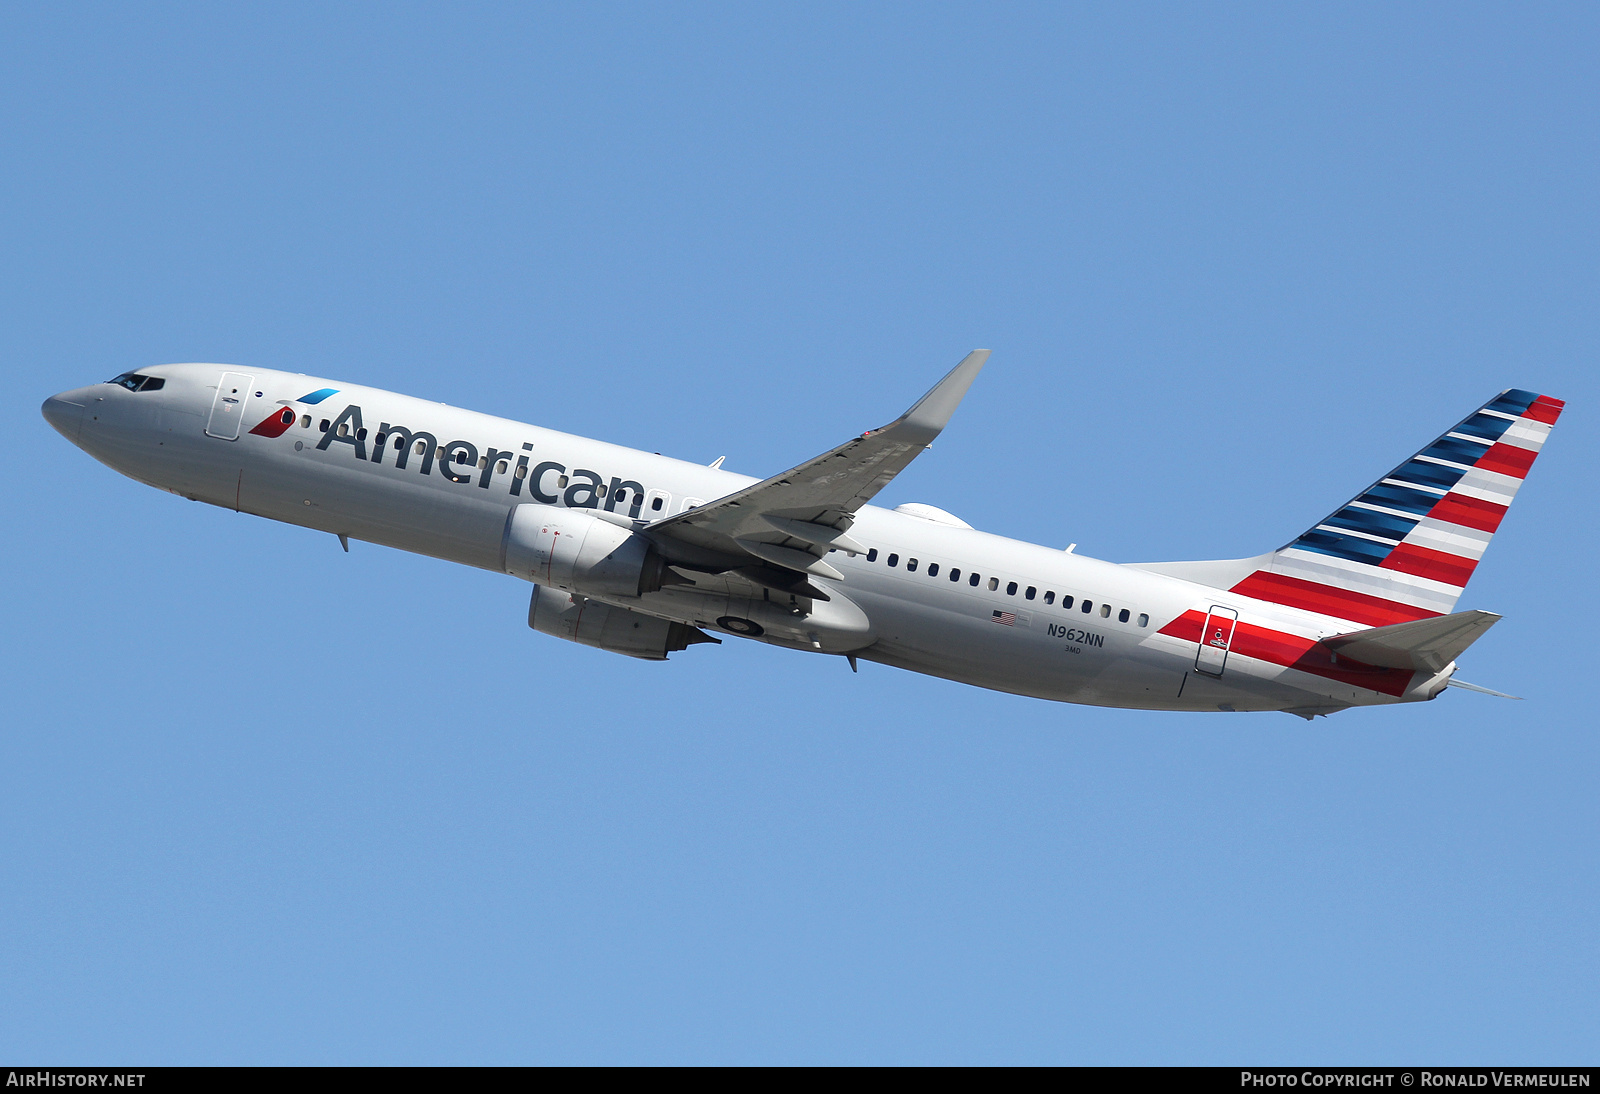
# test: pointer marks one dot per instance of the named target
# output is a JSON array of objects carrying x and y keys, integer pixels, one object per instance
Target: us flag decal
[{"x": 1005, "y": 619}]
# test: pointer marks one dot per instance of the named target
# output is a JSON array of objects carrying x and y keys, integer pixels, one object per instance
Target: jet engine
[
  {"x": 570, "y": 550},
  {"x": 591, "y": 623}
]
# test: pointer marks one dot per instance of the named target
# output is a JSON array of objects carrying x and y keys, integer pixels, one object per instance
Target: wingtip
[{"x": 932, "y": 412}]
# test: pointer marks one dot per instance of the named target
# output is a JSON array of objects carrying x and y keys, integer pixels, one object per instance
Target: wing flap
[
  {"x": 790, "y": 558},
  {"x": 806, "y": 531}
]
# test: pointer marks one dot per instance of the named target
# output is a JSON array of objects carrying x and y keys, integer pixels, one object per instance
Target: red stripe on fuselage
[
  {"x": 1187, "y": 626},
  {"x": 1313, "y": 596},
  {"x": 1485, "y": 516},
  {"x": 1506, "y": 459},
  {"x": 1408, "y": 558},
  {"x": 1292, "y": 651}
]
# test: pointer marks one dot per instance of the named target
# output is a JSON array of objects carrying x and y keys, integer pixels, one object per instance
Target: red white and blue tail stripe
[{"x": 1406, "y": 546}]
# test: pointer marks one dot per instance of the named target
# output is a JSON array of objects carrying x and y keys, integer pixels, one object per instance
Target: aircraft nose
[{"x": 64, "y": 412}]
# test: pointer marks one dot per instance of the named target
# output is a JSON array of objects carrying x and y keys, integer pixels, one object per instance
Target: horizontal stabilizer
[
  {"x": 1422, "y": 645},
  {"x": 1480, "y": 689}
]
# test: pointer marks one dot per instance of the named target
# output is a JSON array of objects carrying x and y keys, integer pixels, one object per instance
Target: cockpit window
[{"x": 135, "y": 382}]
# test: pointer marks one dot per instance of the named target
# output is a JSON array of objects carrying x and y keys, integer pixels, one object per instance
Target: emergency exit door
[
  {"x": 1216, "y": 638},
  {"x": 228, "y": 408}
]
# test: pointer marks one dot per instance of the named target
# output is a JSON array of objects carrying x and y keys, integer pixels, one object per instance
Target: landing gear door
[
  {"x": 1216, "y": 638},
  {"x": 227, "y": 409}
]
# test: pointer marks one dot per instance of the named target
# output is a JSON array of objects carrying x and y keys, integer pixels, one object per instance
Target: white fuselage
[{"x": 1108, "y": 649}]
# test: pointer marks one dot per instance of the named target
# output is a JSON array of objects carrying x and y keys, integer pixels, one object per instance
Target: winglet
[{"x": 925, "y": 421}]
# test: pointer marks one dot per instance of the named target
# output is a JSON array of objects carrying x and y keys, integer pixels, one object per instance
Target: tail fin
[{"x": 1404, "y": 548}]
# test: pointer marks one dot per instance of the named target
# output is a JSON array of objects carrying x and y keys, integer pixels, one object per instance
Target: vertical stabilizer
[{"x": 1405, "y": 547}]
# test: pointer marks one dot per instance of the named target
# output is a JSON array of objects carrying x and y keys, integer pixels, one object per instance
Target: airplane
[{"x": 645, "y": 555}]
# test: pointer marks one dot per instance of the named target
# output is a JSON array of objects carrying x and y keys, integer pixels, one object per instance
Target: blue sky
[{"x": 266, "y": 802}]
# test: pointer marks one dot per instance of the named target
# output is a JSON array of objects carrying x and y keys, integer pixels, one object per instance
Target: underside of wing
[{"x": 778, "y": 532}]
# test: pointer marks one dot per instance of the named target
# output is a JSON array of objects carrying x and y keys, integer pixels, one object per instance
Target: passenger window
[
  {"x": 1049, "y": 596},
  {"x": 894, "y": 560},
  {"x": 500, "y": 468},
  {"x": 1122, "y": 616},
  {"x": 422, "y": 446},
  {"x": 344, "y": 429},
  {"x": 1066, "y": 602},
  {"x": 561, "y": 482},
  {"x": 322, "y": 426},
  {"x": 522, "y": 473},
  {"x": 1144, "y": 620},
  {"x": 911, "y": 565},
  {"x": 361, "y": 434},
  {"x": 305, "y": 421},
  {"x": 973, "y": 580},
  {"x": 872, "y": 552},
  {"x": 933, "y": 569},
  {"x": 1088, "y": 606},
  {"x": 600, "y": 491},
  {"x": 377, "y": 442},
  {"x": 1105, "y": 611},
  {"x": 955, "y": 573},
  {"x": 1011, "y": 588},
  {"x": 994, "y": 583},
  {"x": 1031, "y": 592},
  {"x": 656, "y": 505}
]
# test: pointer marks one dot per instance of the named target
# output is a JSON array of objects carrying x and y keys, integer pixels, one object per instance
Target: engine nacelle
[
  {"x": 591, "y": 623},
  {"x": 570, "y": 550}
]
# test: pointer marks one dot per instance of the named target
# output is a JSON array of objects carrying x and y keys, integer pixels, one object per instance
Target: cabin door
[
  {"x": 227, "y": 409},
  {"x": 1216, "y": 637}
]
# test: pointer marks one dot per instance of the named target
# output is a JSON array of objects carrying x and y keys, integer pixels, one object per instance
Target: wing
[{"x": 779, "y": 530}]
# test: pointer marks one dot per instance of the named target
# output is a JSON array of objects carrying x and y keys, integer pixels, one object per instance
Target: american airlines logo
[
  {"x": 276, "y": 425},
  {"x": 463, "y": 462}
]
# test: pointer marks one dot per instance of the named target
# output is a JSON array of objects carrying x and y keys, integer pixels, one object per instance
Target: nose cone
[{"x": 64, "y": 412}]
